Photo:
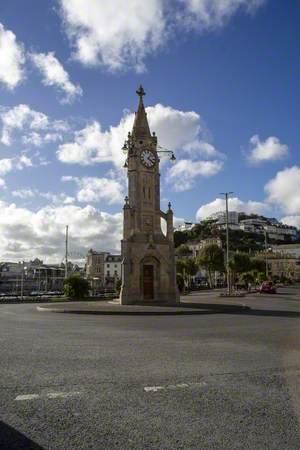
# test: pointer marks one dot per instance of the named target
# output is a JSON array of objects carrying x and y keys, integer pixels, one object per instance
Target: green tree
[
  {"x": 180, "y": 266},
  {"x": 118, "y": 286},
  {"x": 180, "y": 282},
  {"x": 76, "y": 287},
  {"x": 191, "y": 268},
  {"x": 258, "y": 264},
  {"x": 183, "y": 250},
  {"x": 246, "y": 278},
  {"x": 180, "y": 237},
  {"x": 211, "y": 258},
  {"x": 261, "y": 277},
  {"x": 187, "y": 268},
  {"x": 240, "y": 263}
]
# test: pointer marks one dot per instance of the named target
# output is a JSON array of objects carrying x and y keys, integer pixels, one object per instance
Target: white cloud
[
  {"x": 177, "y": 221},
  {"x": 112, "y": 34},
  {"x": 269, "y": 150},
  {"x": 293, "y": 221},
  {"x": 284, "y": 190},
  {"x": 38, "y": 139},
  {"x": 177, "y": 130},
  {"x": 119, "y": 37},
  {"x": 35, "y": 127},
  {"x": 12, "y": 59},
  {"x": 25, "y": 234},
  {"x": 93, "y": 189},
  {"x": 208, "y": 14},
  {"x": 234, "y": 204},
  {"x": 24, "y": 193},
  {"x": 55, "y": 75},
  {"x": 91, "y": 146},
  {"x": 55, "y": 199},
  {"x": 17, "y": 163},
  {"x": 182, "y": 176}
]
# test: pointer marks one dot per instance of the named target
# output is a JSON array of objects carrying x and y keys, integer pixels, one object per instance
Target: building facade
[
  {"x": 186, "y": 226},
  {"x": 31, "y": 277},
  {"x": 103, "y": 270},
  {"x": 112, "y": 269},
  {"x": 196, "y": 246},
  {"x": 95, "y": 264}
]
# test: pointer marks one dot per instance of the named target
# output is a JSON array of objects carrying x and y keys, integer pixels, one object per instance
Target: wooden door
[{"x": 148, "y": 282}]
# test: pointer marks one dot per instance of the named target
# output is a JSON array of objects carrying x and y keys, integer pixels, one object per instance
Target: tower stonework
[{"x": 148, "y": 267}]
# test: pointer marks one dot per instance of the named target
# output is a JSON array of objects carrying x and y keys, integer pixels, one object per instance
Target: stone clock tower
[{"x": 148, "y": 268}]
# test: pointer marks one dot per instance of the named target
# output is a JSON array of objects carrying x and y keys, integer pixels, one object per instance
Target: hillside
[{"x": 239, "y": 239}]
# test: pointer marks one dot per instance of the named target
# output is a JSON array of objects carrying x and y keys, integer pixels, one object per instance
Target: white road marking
[
  {"x": 49, "y": 395},
  {"x": 153, "y": 388},
  {"x": 27, "y": 397},
  {"x": 174, "y": 386},
  {"x": 62, "y": 394}
]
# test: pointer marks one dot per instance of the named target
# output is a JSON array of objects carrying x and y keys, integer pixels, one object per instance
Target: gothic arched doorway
[
  {"x": 148, "y": 281},
  {"x": 149, "y": 277}
]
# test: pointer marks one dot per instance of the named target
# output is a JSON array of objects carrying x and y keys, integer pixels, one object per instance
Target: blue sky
[{"x": 222, "y": 83}]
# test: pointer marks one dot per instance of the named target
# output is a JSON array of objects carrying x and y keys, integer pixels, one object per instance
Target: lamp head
[
  {"x": 173, "y": 158},
  {"x": 125, "y": 148}
]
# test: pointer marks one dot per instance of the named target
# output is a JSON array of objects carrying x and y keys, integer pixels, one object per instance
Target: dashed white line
[
  {"x": 153, "y": 388},
  {"x": 174, "y": 386},
  {"x": 27, "y": 397},
  {"x": 50, "y": 395},
  {"x": 62, "y": 394}
]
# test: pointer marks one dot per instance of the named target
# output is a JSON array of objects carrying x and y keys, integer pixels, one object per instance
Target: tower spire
[{"x": 140, "y": 126}]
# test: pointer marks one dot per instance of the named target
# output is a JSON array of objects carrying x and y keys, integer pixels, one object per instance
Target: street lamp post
[
  {"x": 266, "y": 255},
  {"x": 22, "y": 283},
  {"x": 227, "y": 194},
  {"x": 66, "y": 251}
]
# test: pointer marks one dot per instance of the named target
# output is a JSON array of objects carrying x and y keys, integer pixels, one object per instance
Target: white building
[
  {"x": 220, "y": 216},
  {"x": 186, "y": 226},
  {"x": 113, "y": 267},
  {"x": 288, "y": 249},
  {"x": 196, "y": 246}
]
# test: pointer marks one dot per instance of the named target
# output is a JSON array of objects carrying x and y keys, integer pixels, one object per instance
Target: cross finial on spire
[
  {"x": 141, "y": 127},
  {"x": 140, "y": 92}
]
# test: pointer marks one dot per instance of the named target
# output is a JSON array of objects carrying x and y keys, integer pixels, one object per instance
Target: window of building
[
  {"x": 108, "y": 273},
  {"x": 107, "y": 265}
]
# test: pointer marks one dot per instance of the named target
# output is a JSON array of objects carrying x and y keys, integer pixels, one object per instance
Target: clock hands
[{"x": 148, "y": 158}]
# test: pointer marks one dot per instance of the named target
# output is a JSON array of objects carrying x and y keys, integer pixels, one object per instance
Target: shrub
[
  {"x": 76, "y": 287},
  {"x": 118, "y": 286},
  {"x": 180, "y": 282}
]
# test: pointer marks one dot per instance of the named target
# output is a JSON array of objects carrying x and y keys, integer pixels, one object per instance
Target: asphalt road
[{"x": 215, "y": 381}]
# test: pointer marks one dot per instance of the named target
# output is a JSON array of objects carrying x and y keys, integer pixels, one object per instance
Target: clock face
[{"x": 148, "y": 158}]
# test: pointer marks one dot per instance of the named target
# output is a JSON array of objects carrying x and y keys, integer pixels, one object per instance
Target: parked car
[
  {"x": 267, "y": 287},
  {"x": 34, "y": 293}
]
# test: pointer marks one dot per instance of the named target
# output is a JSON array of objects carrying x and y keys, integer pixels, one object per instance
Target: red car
[{"x": 267, "y": 287}]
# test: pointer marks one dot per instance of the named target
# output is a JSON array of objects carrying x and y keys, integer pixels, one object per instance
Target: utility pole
[
  {"x": 227, "y": 194},
  {"x": 22, "y": 282},
  {"x": 39, "y": 278},
  {"x": 66, "y": 254},
  {"x": 266, "y": 255}
]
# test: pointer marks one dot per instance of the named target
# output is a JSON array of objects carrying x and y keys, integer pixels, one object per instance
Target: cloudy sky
[{"x": 222, "y": 83}]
